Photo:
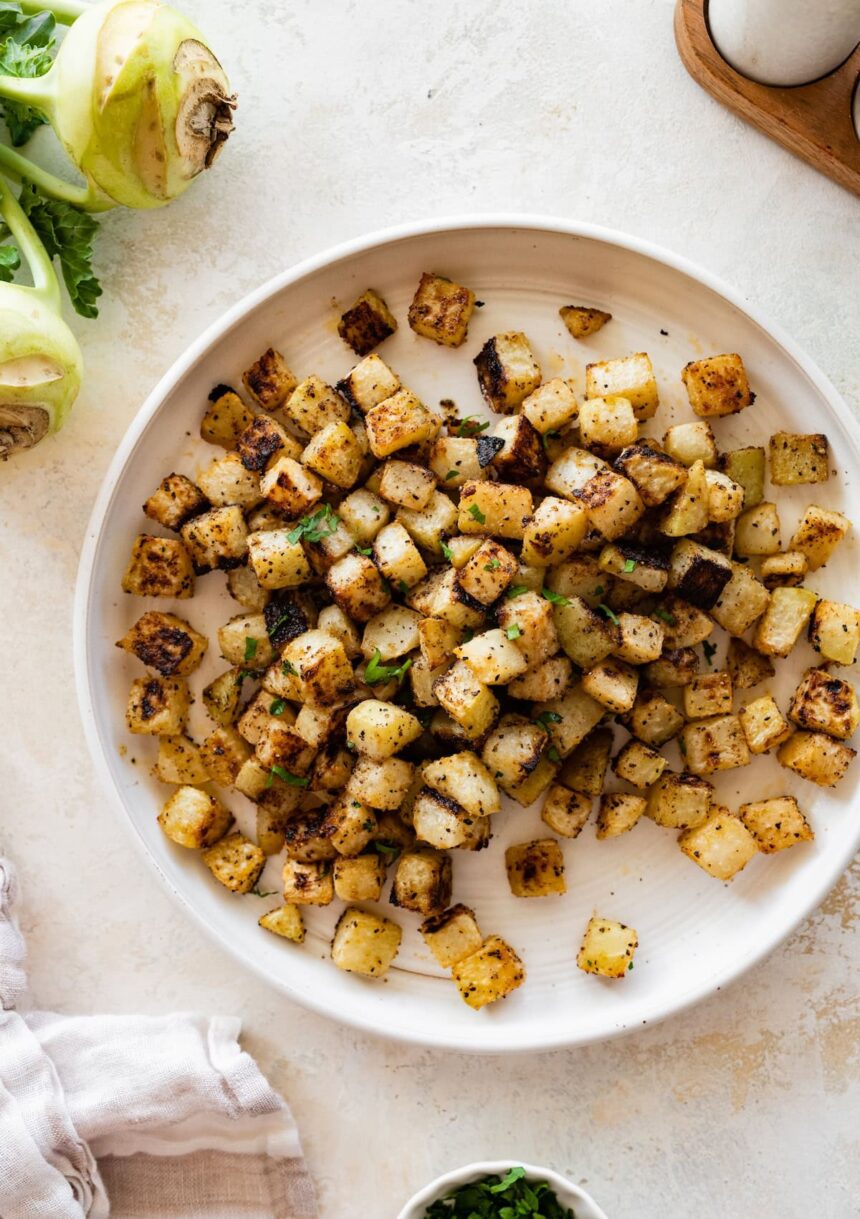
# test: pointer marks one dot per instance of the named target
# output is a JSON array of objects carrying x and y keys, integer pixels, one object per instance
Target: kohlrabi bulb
[
  {"x": 139, "y": 101},
  {"x": 40, "y": 368}
]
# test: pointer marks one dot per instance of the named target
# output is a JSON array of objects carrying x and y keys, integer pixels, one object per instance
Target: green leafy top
[
  {"x": 27, "y": 46},
  {"x": 376, "y": 672},
  {"x": 67, "y": 234},
  {"x": 495, "y": 1197}
]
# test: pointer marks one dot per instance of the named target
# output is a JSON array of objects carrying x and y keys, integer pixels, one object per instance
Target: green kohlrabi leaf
[
  {"x": 26, "y": 49},
  {"x": 67, "y": 233},
  {"x": 10, "y": 261}
]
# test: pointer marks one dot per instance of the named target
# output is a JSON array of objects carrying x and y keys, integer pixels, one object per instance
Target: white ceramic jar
[{"x": 785, "y": 42}]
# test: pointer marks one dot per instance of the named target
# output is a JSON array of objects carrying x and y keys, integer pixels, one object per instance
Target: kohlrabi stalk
[
  {"x": 40, "y": 361},
  {"x": 140, "y": 103}
]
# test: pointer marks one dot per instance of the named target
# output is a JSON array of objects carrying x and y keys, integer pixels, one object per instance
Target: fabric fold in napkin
[{"x": 135, "y": 1117}]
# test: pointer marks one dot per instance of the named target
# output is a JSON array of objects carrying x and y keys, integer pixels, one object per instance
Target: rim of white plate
[{"x": 438, "y": 1038}]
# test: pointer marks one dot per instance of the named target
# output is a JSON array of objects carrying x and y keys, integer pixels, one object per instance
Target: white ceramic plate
[{"x": 695, "y": 933}]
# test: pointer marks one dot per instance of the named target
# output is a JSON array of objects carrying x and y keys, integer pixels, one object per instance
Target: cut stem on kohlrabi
[
  {"x": 137, "y": 98},
  {"x": 40, "y": 361}
]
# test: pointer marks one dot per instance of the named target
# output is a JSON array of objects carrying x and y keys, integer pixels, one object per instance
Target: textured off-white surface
[{"x": 746, "y": 1105}]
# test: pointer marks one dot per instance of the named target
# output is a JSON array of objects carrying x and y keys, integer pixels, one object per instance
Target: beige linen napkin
[{"x": 136, "y": 1117}]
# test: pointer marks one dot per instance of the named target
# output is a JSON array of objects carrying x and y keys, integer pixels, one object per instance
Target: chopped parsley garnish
[
  {"x": 365, "y": 550},
  {"x": 553, "y": 598},
  {"x": 629, "y": 566},
  {"x": 451, "y": 474},
  {"x": 467, "y": 428},
  {"x": 447, "y": 552},
  {"x": 278, "y": 772},
  {"x": 250, "y": 647},
  {"x": 548, "y": 717},
  {"x": 548, "y": 436},
  {"x": 553, "y": 754},
  {"x": 599, "y": 590},
  {"x": 516, "y": 591},
  {"x": 258, "y": 892},
  {"x": 477, "y": 514},
  {"x": 320, "y": 524},
  {"x": 513, "y": 631},
  {"x": 377, "y": 672},
  {"x": 610, "y": 614},
  {"x": 403, "y": 587},
  {"x": 666, "y": 617},
  {"x": 682, "y": 745},
  {"x": 386, "y": 849},
  {"x": 709, "y": 649},
  {"x": 277, "y": 706},
  {"x": 500, "y": 1197},
  {"x": 493, "y": 565},
  {"x": 289, "y": 670}
]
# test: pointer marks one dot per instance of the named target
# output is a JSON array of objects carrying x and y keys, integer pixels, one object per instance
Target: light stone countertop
[{"x": 355, "y": 116}]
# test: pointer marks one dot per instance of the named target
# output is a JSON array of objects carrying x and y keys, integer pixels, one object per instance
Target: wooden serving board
[{"x": 813, "y": 121}]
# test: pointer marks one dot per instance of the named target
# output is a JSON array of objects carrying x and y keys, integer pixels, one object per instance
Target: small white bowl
[{"x": 568, "y": 1194}]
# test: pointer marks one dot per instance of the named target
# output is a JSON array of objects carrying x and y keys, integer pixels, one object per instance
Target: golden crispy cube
[
  {"x": 679, "y": 801},
  {"x": 834, "y": 631},
  {"x": 159, "y": 567},
  {"x": 816, "y": 756},
  {"x": 262, "y": 440},
  {"x": 453, "y": 460},
  {"x": 269, "y": 380},
  {"x": 286, "y": 922},
  {"x": 513, "y": 750},
  {"x": 780, "y": 627},
  {"x": 379, "y": 730},
  {"x": 585, "y": 768},
  {"x": 422, "y": 881},
  {"x": 607, "y": 948},
  {"x": 235, "y": 862},
  {"x": 546, "y": 681},
  {"x": 747, "y": 667},
  {"x": 358, "y": 588},
  {"x": 308, "y": 882},
  {"x": 291, "y": 488},
  {"x": 641, "y": 639},
  {"x": 222, "y": 697},
  {"x": 452, "y": 935},
  {"x": 166, "y": 643},
  {"x": 488, "y": 573},
  {"x": 217, "y": 539},
  {"x": 818, "y": 533},
  {"x": 536, "y": 869},
  {"x": 653, "y": 719},
  {"x": 493, "y": 658},
  {"x": 226, "y": 481},
  {"x": 569, "y": 719},
  {"x": 364, "y": 943},
  {"x": 824, "y": 703},
  {"x": 639, "y": 764},
  {"x": 440, "y": 821},
  {"x": 466, "y": 699},
  {"x": 618, "y": 813},
  {"x": 335, "y": 454},
  {"x": 245, "y": 640},
  {"x": 717, "y": 385},
  {"x": 607, "y": 425},
  {"x": 429, "y": 526},
  {"x": 688, "y": 443},
  {"x": 314, "y": 404},
  {"x": 397, "y": 556},
  {"x": 746, "y": 467},
  {"x": 613, "y": 684},
  {"x": 554, "y": 532},
  {"x": 507, "y": 371},
  {"x": 398, "y": 422},
  {"x": 276, "y": 561},
  {"x": 717, "y": 743},
  {"x": 776, "y": 824},
  {"x": 364, "y": 514},
  {"x": 193, "y": 818},
  {"x": 359, "y": 879},
  {"x": 634, "y": 564},
  {"x": 676, "y": 667},
  {"x": 758, "y": 531},
  {"x": 501, "y": 509},
  {"x": 698, "y": 574},
  {"x": 367, "y": 323},
  {"x": 368, "y": 384},
  {"x": 225, "y": 419},
  {"x": 381, "y": 784},
  {"x": 741, "y": 601},
  {"x": 764, "y": 726},
  {"x": 158, "y": 706},
  {"x": 722, "y": 846},
  {"x": 798, "y": 459},
  {"x": 348, "y": 824},
  {"x": 551, "y": 407},
  {"x": 582, "y": 321},
  {"x": 176, "y": 500},
  {"x": 224, "y": 752},
  {"x": 437, "y": 640},
  {"x": 654, "y": 473},
  {"x": 406, "y": 484},
  {"x": 463, "y": 777},
  {"x": 521, "y": 456},
  {"x": 631, "y": 377},
  {"x": 584, "y": 634},
  {"x": 488, "y": 974},
  {"x": 179, "y": 762},
  {"x": 611, "y": 502},
  {"x": 725, "y": 497},
  {"x": 687, "y": 511},
  {"x": 565, "y": 811},
  {"x": 245, "y": 588},
  {"x": 710, "y": 694},
  {"x": 441, "y": 310},
  {"x": 785, "y": 570}
]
